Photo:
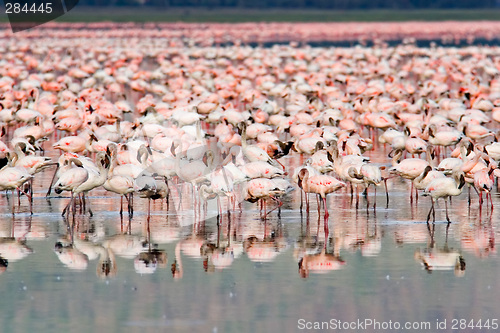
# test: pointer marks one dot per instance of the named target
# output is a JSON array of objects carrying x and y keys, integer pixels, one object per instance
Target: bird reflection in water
[
  {"x": 106, "y": 267},
  {"x": 70, "y": 256},
  {"x": 65, "y": 249},
  {"x": 313, "y": 255},
  {"x": 267, "y": 249},
  {"x": 3, "y": 265},
  {"x": 445, "y": 258},
  {"x": 319, "y": 263},
  {"x": 146, "y": 262},
  {"x": 478, "y": 238},
  {"x": 14, "y": 248},
  {"x": 221, "y": 254}
]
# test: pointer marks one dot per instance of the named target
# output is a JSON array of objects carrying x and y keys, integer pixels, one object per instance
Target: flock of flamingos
[{"x": 143, "y": 114}]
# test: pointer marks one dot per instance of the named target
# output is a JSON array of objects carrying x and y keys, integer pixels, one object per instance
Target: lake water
[{"x": 185, "y": 273}]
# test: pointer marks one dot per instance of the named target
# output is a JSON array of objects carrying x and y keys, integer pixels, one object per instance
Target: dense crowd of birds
[
  {"x": 209, "y": 34},
  {"x": 141, "y": 116}
]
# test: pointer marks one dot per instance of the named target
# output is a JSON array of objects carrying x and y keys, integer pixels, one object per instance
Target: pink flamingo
[
  {"x": 443, "y": 187},
  {"x": 262, "y": 188},
  {"x": 12, "y": 178},
  {"x": 319, "y": 184},
  {"x": 484, "y": 183},
  {"x": 409, "y": 168},
  {"x": 70, "y": 181},
  {"x": 122, "y": 185}
]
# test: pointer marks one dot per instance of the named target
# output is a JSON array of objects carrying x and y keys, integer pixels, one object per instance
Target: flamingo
[
  {"x": 193, "y": 172},
  {"x": 73, "y": 144},
  {"x": 426, "y": 177},
  {"x": 372, "y": 175},
  {"x": 260, "y": 169},
  {"x": 262, "y": 188},
  {"x": 32, "y": 163},
  {"x": 319, "y": 184},
  {"x": 415, "y": 145},
  {"x": 409, "y": 168},
  {"x": 221, "y": 183},
  {"x": 443, "y": 187},
  {"x": 12, "y": 178},
  {"x": 122, "y": 185},
  {"x": 152, "y": 188},
  {"x": 70, "y": 180},
  {"x": 253, "y": 153},
  {"x": 445, "y": 136},
  {"x": 484, "y": 183},
  {"x": 322, "y": 161},
  {"x": 348, "y": 169},
  {"x": 97, "y": 175}
]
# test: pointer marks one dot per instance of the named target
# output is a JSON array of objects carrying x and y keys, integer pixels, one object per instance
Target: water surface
[{"x": 244, "y": 274}]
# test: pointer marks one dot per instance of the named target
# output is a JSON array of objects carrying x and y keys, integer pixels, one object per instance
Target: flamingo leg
[
  {"x": 469, "y": 194},
  {"x": 357, "y": 197},
  {"x": 65, "y": 209},
  {"x": 326, "y": 220},
  {"x": 129, "y": 202},
  {"x": 446, "y": 206},
  {"x": 31, "y": 192},
  {"x": 219, "y": 208},
  {"x": 90, "y": 211},
  {"x": 180, "y": 199},
  {"x": 68, "y": 206},
  {"x": 279, "y": 208},
  {"x": 229, "y": 207},
  {"x": 430, "y": 211},
  {"x": 365, "y": 193},
  {"x": 168, "y": 199},
  {"x": 264, "y": 204},
  {"x": 29, "y": 200},
  {"x": 411, "y": 194},
  {"x": 73, "y": 204},
  {"x": 149, "y": 208},
  {"x": 386, "y": 194},
  {"x": 280, "y": 203},
  {"x": 327, "y": 215},
  {"x": 82, "y": 202},
  {"x": 13, "y": 204},
  {"x": 307, "y": 202},
  {"x": 433, "y": 214},
  {"x": 168, "y": 194},
  {"x": 301, "y": 203},
  {"x": 284, "y": 170},
  {"x": 205, "y": 207},
  {"x": 491, "y": 200}
]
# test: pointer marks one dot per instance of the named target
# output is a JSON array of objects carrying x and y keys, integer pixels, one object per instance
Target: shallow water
[{"x": 242, "y": 274}]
